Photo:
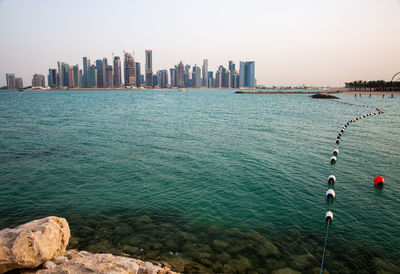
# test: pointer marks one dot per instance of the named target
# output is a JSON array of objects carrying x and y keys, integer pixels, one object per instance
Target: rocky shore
[{"x": 40, "y": 247}]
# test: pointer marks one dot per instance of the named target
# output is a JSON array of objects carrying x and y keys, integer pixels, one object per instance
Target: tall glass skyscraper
[
  {"x": 129, "y": 70},
  {"x": 138, "y": 78},
  {"x": 85, "y": 77},
  {"x": 247, "y": 74},
  {"x": 205, "y": 72},
  {"x": 52, "y": 78},
  {"x": 149, "y": 68},
  {"x": 117, "y": 72}
]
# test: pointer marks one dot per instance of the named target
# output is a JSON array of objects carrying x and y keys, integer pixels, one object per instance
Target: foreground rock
[
  {"x": 85, "y": 262},
  {"x": 39, "y": 247},
  {"x": 32, "y": 244}
]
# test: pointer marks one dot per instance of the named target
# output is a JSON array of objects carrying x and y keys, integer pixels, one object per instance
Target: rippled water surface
[{"x": 207, "y": 181}]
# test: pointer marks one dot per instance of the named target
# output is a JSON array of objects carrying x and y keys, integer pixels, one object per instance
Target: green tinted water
[{"x": 205, "y": 180}]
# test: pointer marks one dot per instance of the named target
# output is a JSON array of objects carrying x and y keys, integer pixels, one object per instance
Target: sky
[{"x": 293, "y": 42}]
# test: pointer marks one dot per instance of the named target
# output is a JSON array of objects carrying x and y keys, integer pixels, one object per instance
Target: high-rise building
[
  {"x": 10, "y": 78},
  {"x": 210, "y": 79},
  {"x": 101, "y": 73},
  {"x": 65, "y": 75},
  {"x": 109, "y": 77},
  {"x": 92, "y": 77},
  {"x": 19, "y": 83},
  {"x": 39, "y": 80},
  {"x": 162, "y": 78},
  {"x": 196, "y": 76},
  {"x": 179, "y": 75},
  {"x": 85, "y": 75},
  {"x": 188, "y": 76},
  {"x": 236, "y": 80},
  {"x": 223, "y": 77},
  {"x": 117, "y": 72},
  {"x": 218, "y": 77},
  {"x": 129, "y": 70},
  {"x": 60, "y": 75},
  {"x": 52, "y": 78},
  {"x": 155, "y": 81},
  {"x": 231, "y": 66},
  {"x": 138, "y": 78},
  {"x": 71, "y": 77},
  {"x": 247, "y": 74},
  {"x": 149, "y": 67},
  {"x": 205, "y": 73},
  {"x": 172, "y": 77},
  {"x": 76, "y": 76}
]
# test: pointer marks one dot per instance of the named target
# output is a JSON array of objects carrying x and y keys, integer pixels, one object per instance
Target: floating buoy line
[{"x": 330, "y": 193}]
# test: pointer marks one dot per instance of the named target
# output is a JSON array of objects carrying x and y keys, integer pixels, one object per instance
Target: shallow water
[{"x": 205, "y": 180}]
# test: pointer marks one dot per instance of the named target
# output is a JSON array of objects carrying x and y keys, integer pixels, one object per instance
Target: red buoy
[{"x": 379, "y": 180}]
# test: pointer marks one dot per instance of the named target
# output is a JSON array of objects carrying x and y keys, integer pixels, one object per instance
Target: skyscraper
[
  {"x": 71, "y": 77},
  {"x": 76, "y": 76},
  {"x": 138, "y": 78},
  {"x": 101, "y": 73},
  {"x": 172, "y": 77},
  {"x": 241, "y": 74},
  {"x": 129, "y": 70},
  {"x": 218, "y": 78},
  {"x": 179, "y": 75},
  {"x": 10, "y": 78},
  {"x": 19, "y": 83},
  {"x": 149, "y": 67},
  {"x": 247, "y": 74},
  {"x": 231, "y": 66},
  {"x": 109, "y": 77},
  {"x": 210, "y": 79},
  {"x": 64, "y": 74},
  {"x": 60, "y": 76},
  {"x": 205, "y": 73},
  {"x": 117, "y": 72},
  {"x": 39, "y": 80},
  {"x": 85, "y": 76},
  {"x": 155, "y": 81},
  {"x": 188, "y": 76},
  {"x": 92, "y": 77},
  {"x": 52, "y": 78},
  {"x": 196, "y": 76},
  {"x": 224, "y": 77},
  {"x": 162, "y": 77}
]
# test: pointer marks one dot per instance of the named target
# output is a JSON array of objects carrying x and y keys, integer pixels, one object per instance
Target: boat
[{"x": 183, "y": 89}]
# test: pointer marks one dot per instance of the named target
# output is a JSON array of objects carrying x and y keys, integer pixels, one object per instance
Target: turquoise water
[{"x": 167, "y": 175}]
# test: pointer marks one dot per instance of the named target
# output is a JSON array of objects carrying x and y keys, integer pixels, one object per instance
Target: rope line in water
[
  {"x": 329, "y": 218},
  {"x": 324, "y": 250}
]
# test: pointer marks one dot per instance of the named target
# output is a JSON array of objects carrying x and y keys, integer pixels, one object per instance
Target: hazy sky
[{"x": 293, "y": 42}]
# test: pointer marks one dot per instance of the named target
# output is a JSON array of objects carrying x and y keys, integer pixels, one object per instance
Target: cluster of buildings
[{"x": 102, "y": 74}]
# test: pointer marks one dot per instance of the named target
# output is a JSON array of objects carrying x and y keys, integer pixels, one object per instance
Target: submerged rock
[
  {"x": 385, "y": 267},
  {"x": 286, "y": 270},
  {"x": 302, "y": 262},
  {"x": 32, "y": 244}
]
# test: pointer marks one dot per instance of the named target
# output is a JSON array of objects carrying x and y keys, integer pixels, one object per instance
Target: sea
[{"x": 207, "y": 181}]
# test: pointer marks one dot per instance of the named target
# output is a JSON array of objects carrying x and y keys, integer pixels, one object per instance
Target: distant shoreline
[{"x": 397, "y": 92}]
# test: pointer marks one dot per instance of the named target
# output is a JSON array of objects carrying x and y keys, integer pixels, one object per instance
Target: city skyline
[
  {"x": 293, "y": 42},
  {"x": 102, "y": 75}
]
